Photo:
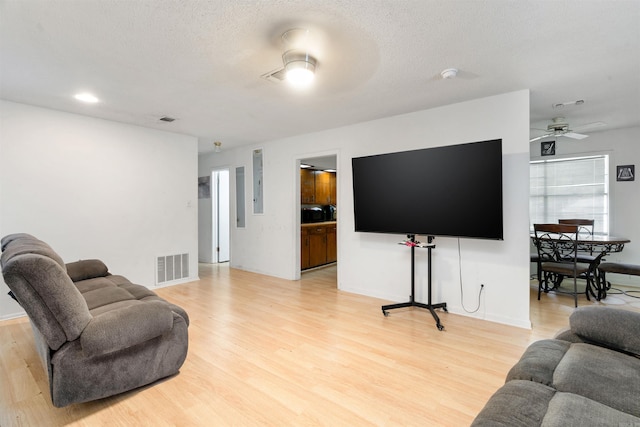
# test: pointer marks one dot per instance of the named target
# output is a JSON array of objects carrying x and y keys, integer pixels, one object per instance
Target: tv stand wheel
[
  {"x": 386, "y": 313},
  {"x": 445, "y": 309},
  {"x": 440, "y": 327}
]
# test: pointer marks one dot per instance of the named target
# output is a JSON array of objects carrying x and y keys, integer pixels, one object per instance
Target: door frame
[
  {"x": 220, "y": 215},
  {"x": 297, "y": 203}
]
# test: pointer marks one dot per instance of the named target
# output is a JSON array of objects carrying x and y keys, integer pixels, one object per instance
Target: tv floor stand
[{"x": 411, "y": 242}]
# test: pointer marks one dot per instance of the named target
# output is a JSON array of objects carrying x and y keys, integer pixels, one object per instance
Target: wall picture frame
[
  {"x": 625, "y": 173},
  {"x": 548, "y": 148},
  {"x": 204, "y": 187}
]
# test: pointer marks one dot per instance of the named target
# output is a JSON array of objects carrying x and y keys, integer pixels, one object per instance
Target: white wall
[
  {"x": 97, "y": 189},
  {"x": 623, "y": 148},
  {"x": 373, "y": 264},
  {"x": 205, "y": 230}
]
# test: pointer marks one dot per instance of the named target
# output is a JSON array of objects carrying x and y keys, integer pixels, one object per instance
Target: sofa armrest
[
  {"x": 568, "y": 335},
  {"x": 125, "y": 327},
  {"x": 609, "y": 327}
]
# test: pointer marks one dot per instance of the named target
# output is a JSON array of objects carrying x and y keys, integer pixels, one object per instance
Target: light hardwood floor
[{"x": 271, "y": 352}]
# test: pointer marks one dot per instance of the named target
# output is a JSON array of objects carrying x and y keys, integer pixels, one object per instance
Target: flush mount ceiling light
[
  {"x": 217, "y": 146},
  {"x": 86, "y": 97},
  {"x": 449, "y": 73}
]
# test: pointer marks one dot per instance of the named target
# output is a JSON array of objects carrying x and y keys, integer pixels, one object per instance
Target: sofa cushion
[
  {"x": 606, "y": 376},
  {"x": 106, "y": 295},
  {"x": 137, "y": 291},
  {"x": 52, "y": 302},
  {"x": 607, "y": 326},
  {"x": 86, "y": 269},
  {"x": 22, "y": 244},
  {"x": 600, "y": 374},
  {"x": 521, "y": 403},
  {"x": 539, "y": 361},
  {"x": 518, "y": 403},
  {"x": 124, "y": 327},
  {"x": 572, "y": 410}
]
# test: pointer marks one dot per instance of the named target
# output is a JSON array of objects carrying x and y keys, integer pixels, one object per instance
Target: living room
[{"x": 99, "y": 188}]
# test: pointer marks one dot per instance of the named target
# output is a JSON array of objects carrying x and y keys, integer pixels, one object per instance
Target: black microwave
[{"x": 312, "y": 214}]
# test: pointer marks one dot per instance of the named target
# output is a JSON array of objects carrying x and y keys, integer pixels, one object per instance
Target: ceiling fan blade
[
  {"x": 575, "y": 135},
  {"x": 540, "y": 137},
  {"x": 589, "y": 126}
]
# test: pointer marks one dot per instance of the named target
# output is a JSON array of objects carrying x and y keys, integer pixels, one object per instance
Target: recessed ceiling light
[
  {"x": 86, "y": 97},
  {"x": 305, "y": 166},
  {"x": 449, "y": 73}
]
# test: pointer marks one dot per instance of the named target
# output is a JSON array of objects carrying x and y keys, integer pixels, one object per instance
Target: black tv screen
[{"x": 453, "y": 191}]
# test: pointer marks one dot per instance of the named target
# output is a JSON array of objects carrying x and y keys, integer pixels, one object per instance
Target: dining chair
[
  {"x": 557, "y": 248},
  {"x": 586, "y": 226}
]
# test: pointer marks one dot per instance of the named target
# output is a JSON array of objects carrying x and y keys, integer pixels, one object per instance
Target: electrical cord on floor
[
  {"x": 462, "y": 288},
  {"x": 625, "y": 293}
]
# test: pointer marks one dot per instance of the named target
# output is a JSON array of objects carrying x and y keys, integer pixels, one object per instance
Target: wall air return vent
[{"x": 171, "y": 267}]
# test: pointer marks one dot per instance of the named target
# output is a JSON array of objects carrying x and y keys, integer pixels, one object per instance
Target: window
[{"x": 570, "y": 188}]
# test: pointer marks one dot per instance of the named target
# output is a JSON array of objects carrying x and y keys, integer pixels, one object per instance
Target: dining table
[{"x": 599, "y": 245}]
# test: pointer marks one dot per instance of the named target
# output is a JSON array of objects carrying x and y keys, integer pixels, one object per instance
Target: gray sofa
[
  {"x": 589, "y": 375},
  {"x": 97, "y": 334}
]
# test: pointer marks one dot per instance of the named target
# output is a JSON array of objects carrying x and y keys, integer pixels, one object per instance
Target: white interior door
[{"x": 220, "y": 214}]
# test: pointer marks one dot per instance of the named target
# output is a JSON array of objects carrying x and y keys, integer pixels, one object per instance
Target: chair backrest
[
  {"x": 557, "y": 242},
  {"x": 38, "y": 278},
  {"x": 583, "y": 224}
]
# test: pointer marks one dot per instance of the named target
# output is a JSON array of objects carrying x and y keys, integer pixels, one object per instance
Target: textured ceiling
[{"x": 202, "y": 61}]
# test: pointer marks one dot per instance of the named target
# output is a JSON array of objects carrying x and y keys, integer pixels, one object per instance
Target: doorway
[
  {"x": 220, "y": 228},
  {"x": 318, "y": 207}
]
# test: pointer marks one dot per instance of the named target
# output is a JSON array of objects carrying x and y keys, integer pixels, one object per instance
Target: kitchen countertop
[{"x": 315, "y": 224}]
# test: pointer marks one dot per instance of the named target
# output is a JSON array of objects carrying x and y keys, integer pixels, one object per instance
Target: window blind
[{"x": 570, "y": 188}]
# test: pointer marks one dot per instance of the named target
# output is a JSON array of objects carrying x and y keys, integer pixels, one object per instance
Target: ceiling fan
[{"x": 560, "y": 127}]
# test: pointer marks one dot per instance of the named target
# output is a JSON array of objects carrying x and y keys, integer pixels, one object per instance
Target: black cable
[
  {"x": 632, "y": 296},
  {"x": 625, "y": 293},
  {"x": 461, "y": 287}
]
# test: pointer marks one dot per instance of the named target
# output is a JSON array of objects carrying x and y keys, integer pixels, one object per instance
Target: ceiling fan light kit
[
  {"x": 299, "y": 64},
  {"x": 300, "y": 67}
]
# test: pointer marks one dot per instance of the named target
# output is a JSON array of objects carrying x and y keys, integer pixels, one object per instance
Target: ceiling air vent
[
  {"x": 275, "y": 76},
  {"x": 167, "y": 119}
]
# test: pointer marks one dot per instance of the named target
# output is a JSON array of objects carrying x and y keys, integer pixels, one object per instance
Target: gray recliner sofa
[
  {"x": 588, "y": 375},
  {"x": 97, "y": 334}
]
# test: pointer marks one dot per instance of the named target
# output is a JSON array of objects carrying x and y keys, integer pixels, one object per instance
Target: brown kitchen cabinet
[
  {"x": 318, "y": 245},
  {"x": 323, "y": 187},
  {"x": 333, "y": 194},
  {"x": 332, "y": 247},
  {"x": 307, "y": 186},
  {"x": 318, "y": 187}
]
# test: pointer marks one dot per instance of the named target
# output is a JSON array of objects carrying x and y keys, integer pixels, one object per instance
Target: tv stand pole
[{"x": 412, "y": 302}]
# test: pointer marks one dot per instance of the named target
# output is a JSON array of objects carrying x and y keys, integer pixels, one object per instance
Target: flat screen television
[{"x": 452, "y": 191}]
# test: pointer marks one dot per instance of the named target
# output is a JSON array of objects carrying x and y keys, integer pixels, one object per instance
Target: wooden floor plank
[{"x": 271, "y": 352}]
